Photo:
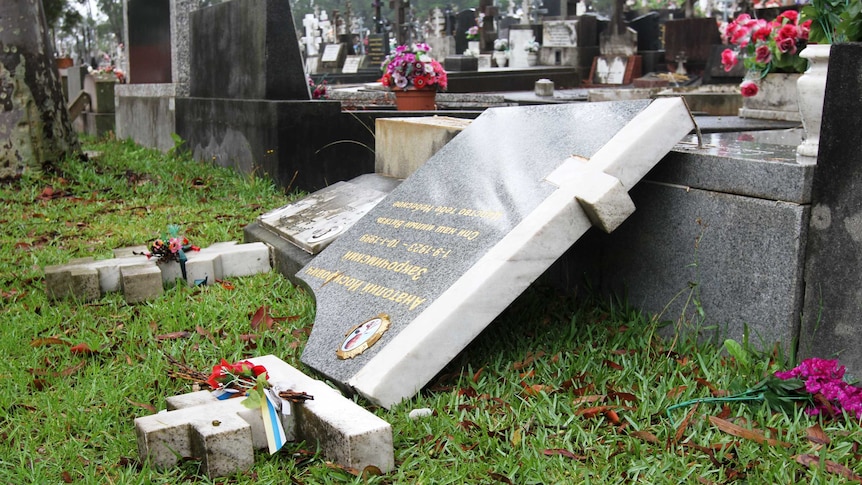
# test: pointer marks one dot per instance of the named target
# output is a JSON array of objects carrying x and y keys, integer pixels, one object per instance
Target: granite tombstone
[
  {"x": 833, "y": 282},
  {"x": 425, "y": 271}
]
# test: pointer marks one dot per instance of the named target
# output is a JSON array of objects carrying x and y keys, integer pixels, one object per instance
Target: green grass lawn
[{"x": 576, "y": 391}]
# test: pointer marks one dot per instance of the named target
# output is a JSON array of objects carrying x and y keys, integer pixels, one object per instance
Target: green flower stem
[{"x": 749, "y": 395}]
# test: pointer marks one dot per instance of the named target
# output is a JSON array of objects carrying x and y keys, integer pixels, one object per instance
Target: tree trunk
[{"x": 34, "y": 123}]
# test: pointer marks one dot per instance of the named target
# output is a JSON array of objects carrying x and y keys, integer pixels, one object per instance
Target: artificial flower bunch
[
  {"x": 501, "y": 44},
  {"x": 413, "y": 66},
  {"x": 318, "y": 91},
  {"x": 532, "y": 46},
  {"x": 229, "y": 380},
  {"x": 765, "y": 47},
  {"x": 170, "y": 246},
  {"x": 473, "y": 33},
  {"x": 824, "y": 380}
]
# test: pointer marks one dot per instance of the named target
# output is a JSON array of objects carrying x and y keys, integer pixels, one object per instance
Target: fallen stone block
[
  {"x": 224, "y": 434},
  {"x": 87, "y": 280}
]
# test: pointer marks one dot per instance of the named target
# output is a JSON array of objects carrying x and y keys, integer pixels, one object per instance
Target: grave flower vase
[
  {"x": 776, "y": 99},
  {"x": 501, "y": 58},
  {"x": 532, "y": 58},
  {"x": 415, "y": 99},
  {"x": 473, "y": 47},
  {"x": 811, "y": 88}
]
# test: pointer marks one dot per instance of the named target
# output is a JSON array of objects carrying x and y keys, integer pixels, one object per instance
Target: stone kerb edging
[
  {"x": 141, "y": 279},
  {"x": 225, "y": 434}
]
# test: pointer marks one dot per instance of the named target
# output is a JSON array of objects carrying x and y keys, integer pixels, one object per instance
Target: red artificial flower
[
  {"x": 791, "y": 15},
  {"x": 786, "y": 45},
  {"x": 748, "y": 89},
  {"x": 729, "y": 58},
  {"x": 804, "y": 29},
  {"x": 420, "y": 82},
  {"x": 761, "y": 32},
  {"x": 763, "y": 54}
]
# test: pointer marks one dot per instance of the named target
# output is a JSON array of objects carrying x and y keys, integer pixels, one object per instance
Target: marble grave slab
[
  {"x": 405, "y": 289},
  {"x": 318, "y": 219}
]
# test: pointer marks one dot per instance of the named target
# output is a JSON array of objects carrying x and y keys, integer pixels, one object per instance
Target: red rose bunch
[
  {"x": 765, "y": 47},
  {"x": 237, "y": 379}
]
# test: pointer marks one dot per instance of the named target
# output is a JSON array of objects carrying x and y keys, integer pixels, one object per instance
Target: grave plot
[
  {"x": 141, "y": 278},
  {"x": 425, "y": 271}
]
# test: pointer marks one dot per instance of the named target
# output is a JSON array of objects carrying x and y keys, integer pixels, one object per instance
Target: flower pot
[
  {"x": 415, "y": 99},
  {"x": 775, "y": 99},
  {"x": 811, "y": 88},
  {"x": 501, "y": 58},
  {"x": 532, "y": 58}
]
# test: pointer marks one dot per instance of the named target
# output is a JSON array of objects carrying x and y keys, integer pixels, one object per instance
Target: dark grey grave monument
[
  {"x": 463, "y": 21},
  {"x": 149, "y": 41},
  {"x": 833, "y": 279},
  {"x": 414, "y": 281},
  {"x": 227, "y": 63},
  {"x": 250, "y": 106}
]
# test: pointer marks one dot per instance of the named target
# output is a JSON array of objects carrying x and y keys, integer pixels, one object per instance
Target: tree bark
[{"x": 34, "y": 123}]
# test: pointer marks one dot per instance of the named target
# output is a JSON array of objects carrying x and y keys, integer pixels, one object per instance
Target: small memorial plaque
[
  {"x": 331, "y": 53},
  {"x": 317, "y": 220},
  {"x": 560, "y": 33},
  {"x": 610, "y": 69},
  {"x": 377, "y": 49},
  {"x": 351, "y": 64}
]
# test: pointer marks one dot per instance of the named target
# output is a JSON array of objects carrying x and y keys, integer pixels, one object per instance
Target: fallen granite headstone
[{"x": 425, "y": 271}]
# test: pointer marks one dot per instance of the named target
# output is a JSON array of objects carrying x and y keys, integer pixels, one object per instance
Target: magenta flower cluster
[
  {"x": 413, "y": 66},
  {"x": 826, "y": 377}
]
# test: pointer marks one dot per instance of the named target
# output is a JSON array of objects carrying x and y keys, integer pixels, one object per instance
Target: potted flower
[
  {"x": 501, "y": 52},
  {"x": 473, "y": 44},
  {"x": 532, "y": 47},
  {"x": 411, "y": 72},
  {"x": 765, "y": 47}
]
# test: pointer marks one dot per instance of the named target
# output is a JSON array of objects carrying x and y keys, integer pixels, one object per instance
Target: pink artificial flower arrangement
[
  {"x": 413, "y": 66},
  {"x": 824, "y": 380},
  {"x": 765, "y": 47}
]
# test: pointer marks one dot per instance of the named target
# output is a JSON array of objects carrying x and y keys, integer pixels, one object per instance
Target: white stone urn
[
  {"x": 532, "y": 58},
  {"x": 501, "y": 58},
  {"x": 811, "y": 87}
]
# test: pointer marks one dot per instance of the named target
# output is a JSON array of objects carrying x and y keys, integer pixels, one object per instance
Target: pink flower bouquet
[
  {"x": 413, "y": 66},
  {"x": 765, "y": 47}
]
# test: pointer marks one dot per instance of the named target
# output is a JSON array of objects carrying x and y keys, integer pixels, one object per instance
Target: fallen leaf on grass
[
  {"x": 596, "y": 410},
  {"x": 500, "y": 477},
  {"x": 813, "y": 461},
  {"x": 612, "y": 364},
  {"x": 173, "y": 335},
  {"x": 684, "y": 424},
  {"x": 75, "y": 368},
  {"x": 225, "y": 284},
  {"x": 589, "y": 399},
  {"x": 536, "y": 389},
  {"x": 205, "y": 333},
  {"x": 82, "y": 349},
  {"x": 41, "y": 342},
  {"x": 562, "y": 452},
  {"x": 12, "y": 295},
  {"x": 529, "y": 359},
  {"x": 263, "y": 317},
  {"x": 745, "y": 433},
  {"x": 645, "y": 436},
  {"x": 815, "y": 434},
  {"x": 148, "y": 407}
]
